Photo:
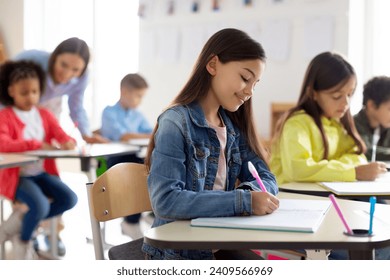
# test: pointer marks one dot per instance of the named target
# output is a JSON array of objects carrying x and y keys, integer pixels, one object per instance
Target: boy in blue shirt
[{"x": 124, "y": 122}]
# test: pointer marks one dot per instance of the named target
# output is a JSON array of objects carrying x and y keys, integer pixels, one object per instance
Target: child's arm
[
  {"x": 55, "y": 132},
  {"x": 110, "y": 126},
  {"x": 76, "y": 105},
  {"x": 265, "y": 174},
  {"x": 299, "y": 163},
  {"x": 128, "y": 136}
]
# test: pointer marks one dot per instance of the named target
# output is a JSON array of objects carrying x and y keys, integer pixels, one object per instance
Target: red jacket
[{"x": 11, "y": 141}]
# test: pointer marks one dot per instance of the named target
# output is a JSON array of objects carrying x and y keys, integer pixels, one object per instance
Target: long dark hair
[
  {"x": 14, "y": 71},
  {"x": 74, "y": 46},
  {"x": 229, "y": 45},
  {"x": 326, "y": 71}
]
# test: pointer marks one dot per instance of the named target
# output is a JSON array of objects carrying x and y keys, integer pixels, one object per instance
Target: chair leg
[
  {"x": 96, "y": 232},
  {"x": 53, "y": 236}
]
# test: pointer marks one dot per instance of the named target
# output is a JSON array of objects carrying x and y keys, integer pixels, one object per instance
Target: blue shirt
[
  {"x": 74, "y": 89},
  {"x": 183, "y": 168},
  {"x": 117, "y": 121}
]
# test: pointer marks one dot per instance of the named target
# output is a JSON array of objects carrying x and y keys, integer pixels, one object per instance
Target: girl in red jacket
[{"x": 25, "y": 127}]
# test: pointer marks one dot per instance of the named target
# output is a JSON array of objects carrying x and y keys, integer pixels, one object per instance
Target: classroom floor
[{"x": 77, "y": 223}]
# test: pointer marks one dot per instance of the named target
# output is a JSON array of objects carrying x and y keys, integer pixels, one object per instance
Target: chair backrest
[{"x": 120, "y": 191}]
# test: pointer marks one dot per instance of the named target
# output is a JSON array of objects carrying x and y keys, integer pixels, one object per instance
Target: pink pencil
[
  {"x": 336, "y": 206},
  {"x": 254, "y": 173}
]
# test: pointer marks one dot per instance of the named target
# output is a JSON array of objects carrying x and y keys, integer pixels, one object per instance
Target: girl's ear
[
  {"x": 211, "y": 66},
  {"x": 11, "y": 91}
]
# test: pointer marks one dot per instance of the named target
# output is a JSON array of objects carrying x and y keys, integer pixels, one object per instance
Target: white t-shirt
[
  {"x": 220, "y": 179},
  {"x": 33, "y": 130}
]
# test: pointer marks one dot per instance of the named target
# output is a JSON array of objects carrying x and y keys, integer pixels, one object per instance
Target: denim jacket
[{"x": 183, "y": 170}]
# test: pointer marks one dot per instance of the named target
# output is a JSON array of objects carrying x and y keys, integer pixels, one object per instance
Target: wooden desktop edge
[
  {"x": 359, "y": 247},
  {"x": 204, "y": 245},
  {"x": 322, "y": 191}
]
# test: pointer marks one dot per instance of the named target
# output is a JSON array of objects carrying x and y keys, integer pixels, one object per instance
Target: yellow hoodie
[{"x": 298, "y": 154}]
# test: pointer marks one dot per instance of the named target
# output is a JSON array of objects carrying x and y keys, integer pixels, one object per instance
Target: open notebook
[
  {"x": 358, "y": 188},
  {"x": 293, "y": 215}
]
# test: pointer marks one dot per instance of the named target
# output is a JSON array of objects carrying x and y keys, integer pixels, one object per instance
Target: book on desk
[
  {"x": 381, "y": 186},
  {"x": 299, "y": 215},
  {"x": 358, "y": 188}
]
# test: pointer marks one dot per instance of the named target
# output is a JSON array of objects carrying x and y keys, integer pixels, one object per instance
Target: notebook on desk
[
  {"x": 142, "y": 142},
  {"x": 380, "y": 187},
  {"x": 299, "y": 215}
]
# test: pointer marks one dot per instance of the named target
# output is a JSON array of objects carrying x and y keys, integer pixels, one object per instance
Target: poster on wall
[
  {"x": 318, "y": 35},
  {"x": 276, "y": 37},
  {"x": 145, "y": 8},
  {"x": 168, "y": 50},
  {"x": 147, "y": 52},
  {"x": 192, "y": 40}
]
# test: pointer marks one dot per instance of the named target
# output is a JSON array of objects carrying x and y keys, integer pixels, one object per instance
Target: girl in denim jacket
[{"x": 199, "y": 153}]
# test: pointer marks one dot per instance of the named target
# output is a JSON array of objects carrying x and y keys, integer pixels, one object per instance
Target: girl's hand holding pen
[
  {"x": 370, "y": 171},
  {"x": 264, "y": 203}
]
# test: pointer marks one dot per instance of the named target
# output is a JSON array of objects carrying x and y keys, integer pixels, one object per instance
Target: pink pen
[
  {"x": 336, "y": 206},
  {"x": 254, "y": 173}
]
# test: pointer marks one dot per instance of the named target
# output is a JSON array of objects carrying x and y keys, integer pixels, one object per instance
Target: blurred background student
[
  {"x": 123, "y": 122},
  {"x": 317, "y": 140},
  {"x": 24, "y": 127},
  {"x": 67, "y": 74},
  {"x": 66, "y": 70},
  {"x": 373, "y": 120}
]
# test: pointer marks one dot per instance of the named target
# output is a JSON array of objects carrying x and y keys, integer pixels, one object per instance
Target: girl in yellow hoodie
[{"x": 317, "y": 139}]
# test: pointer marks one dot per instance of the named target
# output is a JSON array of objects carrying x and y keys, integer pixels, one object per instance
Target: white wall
[
  {"x": 292, "y": 19},
  {"x": 11, "y": 25}
]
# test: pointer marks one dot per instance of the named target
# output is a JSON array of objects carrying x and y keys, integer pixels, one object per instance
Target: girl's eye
[{"x": 245, "y": 80}]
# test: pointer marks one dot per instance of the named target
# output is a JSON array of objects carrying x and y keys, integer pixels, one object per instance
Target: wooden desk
[
  {"x": 181, "y": 235},
  {"x": 8, "y": 160}
]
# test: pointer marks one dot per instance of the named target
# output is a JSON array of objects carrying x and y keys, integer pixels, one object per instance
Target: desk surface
[
  {"x": 181, "y": 235},
  {"x": 8, "y": 160},
  {"x": 318, "y": 190},
  {"x": 89, "y": 151},
  {"x": 140, "y": 142}
]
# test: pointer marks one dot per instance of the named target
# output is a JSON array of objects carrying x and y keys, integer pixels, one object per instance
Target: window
[
  {"x": 109, "y": 28},
  {"x": 368, "y": 42}
]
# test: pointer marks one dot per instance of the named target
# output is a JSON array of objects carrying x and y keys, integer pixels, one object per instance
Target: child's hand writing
[
  {"x": 370, "y": 171},
  {"x": 70, "y": 145},
  {"x": 47, "y": 146},
  {"x": 264, "y": 203}
]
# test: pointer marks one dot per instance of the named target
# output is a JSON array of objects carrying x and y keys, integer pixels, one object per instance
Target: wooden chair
[
  {"x": 118, "y": 192},
  {"x": 277, "y": 110}
]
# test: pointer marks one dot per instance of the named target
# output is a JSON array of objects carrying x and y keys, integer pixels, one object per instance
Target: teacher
[{"x": 66, "y": 70}]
